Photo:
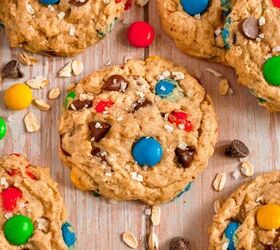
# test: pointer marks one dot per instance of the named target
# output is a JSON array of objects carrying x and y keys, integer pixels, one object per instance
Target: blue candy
[
  {"x": 195, "y": 7},
  {"x": 47, "y": 2},
  {"x": 186, "y": 189},
  {"x": 68, "y": 234},
  {"x": 165, "y": 87},
  {"x": 230, "y": 234},
  {"x": 147, "y": 151}
]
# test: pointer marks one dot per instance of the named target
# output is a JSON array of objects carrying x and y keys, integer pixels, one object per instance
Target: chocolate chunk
[
  {"x": 179, "y": 243},
  {"x": 78, "y": 105},
  {"x": 115, "y": 83},
  {"x": 237, "y": 149},
  {"x": 249, "y": 27},
  {"x": 12, "y": 70},
  {"x": 98, "y": 153},
  {"x": 185, "y": 156},
  {"x": 141, "y": 103},
  {"x": 78, "y": 2},
  {"x": 271, "y": 247},
  {"x": 99, "y": 130}
]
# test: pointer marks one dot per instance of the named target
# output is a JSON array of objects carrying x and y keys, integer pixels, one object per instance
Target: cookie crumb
[{"x": 224, "y": 87}]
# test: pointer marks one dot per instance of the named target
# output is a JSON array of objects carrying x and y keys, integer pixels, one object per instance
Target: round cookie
[
  {"x": 250, "y": 217},
  {"x": 32, "y": 213},
  {"x": 140, "y": 131},
  {"x": 251, "y": 35},
  {"x": 195, "y": 25},
  {"x": 63, "y": 29}
]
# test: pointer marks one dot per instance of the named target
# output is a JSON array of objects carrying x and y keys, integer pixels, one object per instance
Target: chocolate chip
[
  {"x": 78, "y": 105},
  {"x": 97, "y": 152},
  {"x": 179, "y": 243},
  {"x": 185, "y": 156},
  {"x": 115, "y": 83},
  {"x": 99, "y": 130},
  {"x": 78, "y": 2},
  {"x": 271, "y": 247},
  {"x": 237, "y": 149},
  {"x": 249, "y": 27},
  {"x": 12, "y": 70},
  {"x": 141, "y": 103}
]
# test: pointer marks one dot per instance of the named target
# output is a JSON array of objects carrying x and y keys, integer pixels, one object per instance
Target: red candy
[
  {"x": 276, "y": 3},
  {"x": 140, "y": 34},
  {"x": 128, "y": 5},
  {"x": 180, "y": 119},
  {"x": 103, "y": 106},
  {"x": 10, "y": 196},
  {"x": 31, "y": 175}
]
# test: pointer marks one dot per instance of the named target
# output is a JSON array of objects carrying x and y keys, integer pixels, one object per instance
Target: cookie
[
  {"x": 195, "y": 26},
  {"x": 32, "y": 212},
  {"x": 251, "y": 35},
  {"x": 250, "y": 217},
  {"x": 63, "y": 28},
  {"x": 140, "y": 131}
]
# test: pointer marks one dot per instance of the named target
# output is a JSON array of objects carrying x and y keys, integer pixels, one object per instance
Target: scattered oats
[
  {"x": 261, "y": 35},
  {"x": 276, "y": 49},
  {"x": 66, "y": 71},
  {"x": 27, "y": 59},
  {"x": 148, "y": 211},
  {"x": 268, "y": 56},
  {"x": 214, "y": 72},
  {"x": 31, "y": 123},
  {"x": 108, "y": 174},
  {"x": 141, "y": 3},
  {"x": 217, "y": 205},
  {"x": 38, "y": 82},
  {"x": 3, "y": 182},
  {"x": 61, "y": 15},
  {"x": 137, "y": 177},
  {"x": 230, "y": 91},
  {"x": 54, "y": 93},
  {"x": 43, "y": 224},
  {"x": 86, "y": 97},
  {"x": 106, "y": 1},
  {"x": 224, "y": 87},
  {"x": 247, "y": 168},
  {"x": 73, "y": 106},
  {"x": 168, "y": 128},
  {"x": 109, "y": 61},
  {"x": 51, "y": 8},
  {"x": 178, "y": 75},
  {"x": 166, "y": 73},
  {"x": 72, "y": 31},
  {"x": 219, "y": 181},
  {"x": 77, "y": 67},
  {"x": 155, "y": 217},
  {"x": 70, "y": 87},
  {"x": 218, "y": 31},
  {"x": 41, "y": 104},
  {"x": 258, "y": 39},
  {"x": 225, "y": 246},
  {"x": 8, "y": 215},
  {"x": 130, "y": 240},
  {"x": 181, "y": 126},
  {"x": 197, "y": 16},
  {"x": 235, "y": 174},
  {"x": 126, "y": 58},
  {"x": 182, "y": 145},
  {"x": 262, "y": 21},
  {"x": 259, "y": 199},
  {"x": 153, "y": 241},
  {"x": 123, "y": 86},
  {"x": 29, "y": 8},
  {"x": 120, "y": 118}
]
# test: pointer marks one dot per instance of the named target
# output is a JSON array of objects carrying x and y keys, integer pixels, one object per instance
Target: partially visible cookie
[
  {"x": 140, "y": 131},
  {"x": 252, "y": 37},
  {"x": 32, "y": 212},
  {"x": 250, "y": 217},
  {"x": 195, "y": 26},
  {"x": 63, "y": 29}
]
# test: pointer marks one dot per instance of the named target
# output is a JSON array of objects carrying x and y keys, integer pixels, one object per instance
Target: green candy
[
  {"x": 70, "y": 96},
  {"x": 271, "y": 70},
  {"x": 3, "y": 128},
  {"x": 18, "y": 229}
]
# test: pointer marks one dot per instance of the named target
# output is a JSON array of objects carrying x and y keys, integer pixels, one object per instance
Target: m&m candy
[
  {"x": 47, "y": 2},
  {"x": 147, "y": 151},
  {"x": 164, "y": 88},
  {"x": 18, "y": 96},
  {"x": 230, "y": 234},
  {"x": 181, "y": 120},
  {"x": 3, "y": 128},
  {"x": 186, "y": 189},
  {"x": 69, "y": 98},
  {"x": 18, "y": 229},
  {"x": 140, "y": 34},
  {"x": 10, "y": 196},
  {"x": 103, "y": 105},
  {"x": 268, "y": 216},
  {"x": 196, "y": 7},
  {"x": 68, "y": 234},
  {"x": 271, "y": 71},
  {"x": 276, "y": 3}
]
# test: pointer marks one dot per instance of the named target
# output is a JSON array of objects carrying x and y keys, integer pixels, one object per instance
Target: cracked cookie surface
[
  {"x": 250, "y": 217},
  {"x": 140, "y": 131},
  {"x": 32, "y": 210},
  {"x": 63, "y": 29}
]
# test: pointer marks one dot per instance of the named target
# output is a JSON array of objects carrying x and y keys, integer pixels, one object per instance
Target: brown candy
[
  {"x": 12, "y": 70},
  {"x": 115, "y": 83},
  {"x": 185, "y": 156},
  {"x": 237, "y": 149},
  {"x": 141, "y": 104},
  {"x": 99, "y": 130},
  {"x": 78, "y": 2},
  {"x": 249, "y": 27},
  {"x": 97, "y": 152},
  {"x": 179, "y": 243},
  {"x": 78, "y": 105}
]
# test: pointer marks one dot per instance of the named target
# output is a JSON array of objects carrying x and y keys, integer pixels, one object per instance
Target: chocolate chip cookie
[
  {"x": 32, "y": 211},
  {"x": 140, "y": 131},
  {"x": 195, "y": 26},
  {"x": 63, "y": 28},
  {"x": 250, "y": 217}
]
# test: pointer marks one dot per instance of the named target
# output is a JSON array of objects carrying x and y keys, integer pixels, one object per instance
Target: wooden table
[{"x": 99, "y": 224}]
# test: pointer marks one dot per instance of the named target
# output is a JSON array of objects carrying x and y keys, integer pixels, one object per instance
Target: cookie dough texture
[
  {"x": 40, "y": 201},
  {"x": 63, "y": 29},
  {"x": 243, "y": 205},
  {"x": 194, "y": 35},
  {"x": 115, "y": 178},
  {"x": 248, "y": 56}
]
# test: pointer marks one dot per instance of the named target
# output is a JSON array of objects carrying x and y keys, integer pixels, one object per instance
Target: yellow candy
[
  {"x": 268, "y": 216},
  {"x": 18, "y": 96},
  {"x": 76, "y": 181}
]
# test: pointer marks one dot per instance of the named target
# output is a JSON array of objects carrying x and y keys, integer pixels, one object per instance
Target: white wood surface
[{"x": 99, "y": 224}]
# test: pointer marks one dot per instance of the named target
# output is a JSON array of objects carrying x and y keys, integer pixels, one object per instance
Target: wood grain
[{"x": 99, "y": 224}]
